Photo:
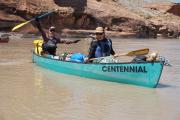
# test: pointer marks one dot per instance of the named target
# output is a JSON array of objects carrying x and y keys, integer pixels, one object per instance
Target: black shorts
[{"x": 50, "y": 49}]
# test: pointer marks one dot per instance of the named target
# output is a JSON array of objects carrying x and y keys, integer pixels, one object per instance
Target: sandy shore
[
  {"x": 71, "y": 33},
  {"x": 108, "y": 33}
]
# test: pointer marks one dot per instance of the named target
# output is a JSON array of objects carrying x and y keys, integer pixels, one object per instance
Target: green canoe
[{"x": 145, "y": 74}]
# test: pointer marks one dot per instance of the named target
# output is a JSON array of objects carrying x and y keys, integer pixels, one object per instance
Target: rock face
[
  {"x": 175, "y": 9},
  {"x": 146, "y": 21},
  {"x": 168, "y": 19}
]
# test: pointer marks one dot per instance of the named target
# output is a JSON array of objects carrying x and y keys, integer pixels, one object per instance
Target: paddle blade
[
  {"x": 20, "y": 25},
  {"x": 138, "y": 52},
  {"x": 144, "y": 51}
]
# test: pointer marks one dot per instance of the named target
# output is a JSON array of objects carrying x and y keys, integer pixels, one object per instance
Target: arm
[
  {"x": 92, "y": 50},
  {"x": 112, "y": 50},
  {"x": 41, "y": 30}
]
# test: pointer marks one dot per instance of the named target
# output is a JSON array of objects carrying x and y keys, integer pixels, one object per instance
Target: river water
[{"x": 28, "y": 92}]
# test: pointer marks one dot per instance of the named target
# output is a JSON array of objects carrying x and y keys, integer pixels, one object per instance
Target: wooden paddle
[
  {"x": 41, "y": 16},
  {"x": 143, "y": 51}
]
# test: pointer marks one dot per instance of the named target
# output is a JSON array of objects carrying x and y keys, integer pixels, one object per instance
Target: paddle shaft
[
  {"x": 46, "y": 14},
  {"x": 41, "y": 16},
  {"x": 38, "y": 17},
  {"x": 131, "y": 53}
]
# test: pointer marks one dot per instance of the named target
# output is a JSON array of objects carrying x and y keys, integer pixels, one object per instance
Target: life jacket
[
  {"x": 52, "y": 42},
  {"x": 103, "y": 48},
  {"x": 38, "y": 46}
]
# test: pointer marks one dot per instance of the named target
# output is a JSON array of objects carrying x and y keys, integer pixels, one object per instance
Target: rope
[{"x": 166, "y": 61}]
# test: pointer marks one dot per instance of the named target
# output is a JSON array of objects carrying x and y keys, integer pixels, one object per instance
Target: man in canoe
[
  {"x": 50, "y": 42},
  {"x": 100, "y": 46}
]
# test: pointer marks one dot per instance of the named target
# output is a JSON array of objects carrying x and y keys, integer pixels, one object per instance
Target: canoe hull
[{"x": 145, "y": 74}]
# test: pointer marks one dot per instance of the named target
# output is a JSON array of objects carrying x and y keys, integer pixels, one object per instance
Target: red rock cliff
[{"x": 87, "y": 14}]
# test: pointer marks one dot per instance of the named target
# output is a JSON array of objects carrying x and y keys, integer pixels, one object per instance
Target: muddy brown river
[{"x": 28, "y": 92}]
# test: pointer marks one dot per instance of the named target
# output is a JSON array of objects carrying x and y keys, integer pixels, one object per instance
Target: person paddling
[
  {"x": 100, "y": 45},
  {"x": 50, "y": 42}
]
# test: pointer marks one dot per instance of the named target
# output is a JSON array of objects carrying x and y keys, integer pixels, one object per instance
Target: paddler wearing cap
[
  {"x": 100, "y": 46},
  {"x": 50, "y": 41}
]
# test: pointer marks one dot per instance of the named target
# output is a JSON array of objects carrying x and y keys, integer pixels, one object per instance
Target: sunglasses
[{"x": 99, "y": 33}]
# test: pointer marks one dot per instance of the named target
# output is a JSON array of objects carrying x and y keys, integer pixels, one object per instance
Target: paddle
[
  {"x": 41, "y": 16},
  {"x": 143, "y": 51}
]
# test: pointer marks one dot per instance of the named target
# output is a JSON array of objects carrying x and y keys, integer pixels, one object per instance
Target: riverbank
[
  {"x": 145, "y": 19},
  {"x": 68, "y": 33}
]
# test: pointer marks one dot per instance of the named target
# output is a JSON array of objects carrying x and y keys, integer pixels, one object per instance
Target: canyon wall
[{"x": 146, "y": 21}]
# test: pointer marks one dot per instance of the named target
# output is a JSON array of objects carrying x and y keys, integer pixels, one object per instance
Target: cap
[
  {"x": 99, "y": 30},
  {"x": 52, "y": 28}
]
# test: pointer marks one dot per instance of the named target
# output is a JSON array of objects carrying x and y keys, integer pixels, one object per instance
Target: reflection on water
[
  {"x": 102, "y": 100},
  {"x": 38, "y": 79},
  {"x": 33, "y": 93}
]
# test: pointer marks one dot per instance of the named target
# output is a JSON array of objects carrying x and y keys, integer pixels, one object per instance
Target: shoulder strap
[{"x": 109, "y": 42}]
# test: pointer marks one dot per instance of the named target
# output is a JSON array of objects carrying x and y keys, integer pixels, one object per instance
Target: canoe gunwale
[{"x": 100, "y": 63}]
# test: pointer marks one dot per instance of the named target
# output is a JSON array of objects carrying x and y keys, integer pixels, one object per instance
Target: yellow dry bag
[{"x": 38, "y": 46}]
